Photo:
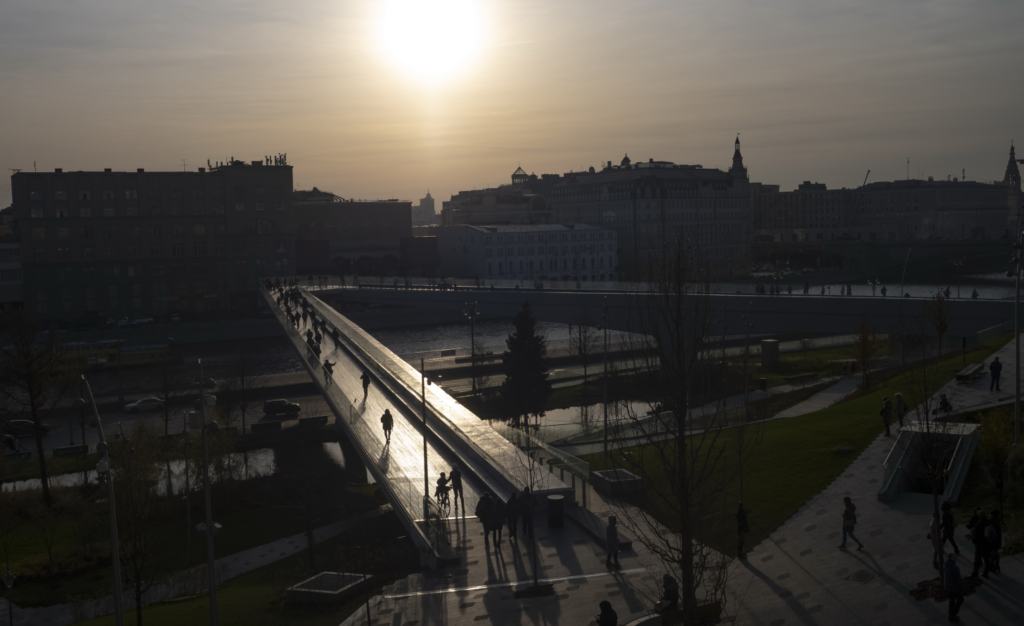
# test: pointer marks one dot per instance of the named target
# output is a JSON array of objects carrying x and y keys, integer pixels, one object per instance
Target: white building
[{"x": 578, "y": 252}]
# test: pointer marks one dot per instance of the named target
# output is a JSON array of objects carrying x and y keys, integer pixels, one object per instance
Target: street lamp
[
  {"x": 103, "y": 469},
  {"x": 185, "y": 441},
  {"x": 8, "y": 579},
  {"x": 958, "y": 264},
  {"x": 426, "y": 476},
  {"x": 472, "y": 311},
  {"x": 208, "y": 527}
]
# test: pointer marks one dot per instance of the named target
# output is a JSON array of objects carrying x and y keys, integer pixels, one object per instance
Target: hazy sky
[{"x": 820, "y": 90}]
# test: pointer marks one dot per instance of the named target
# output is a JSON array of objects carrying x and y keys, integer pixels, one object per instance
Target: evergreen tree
[{"x": 526, "y": 387}]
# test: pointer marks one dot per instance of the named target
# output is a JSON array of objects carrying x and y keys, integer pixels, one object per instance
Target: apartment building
[
  {"x": 577, "y": 252},
  {"x": 129, "y": 244}
]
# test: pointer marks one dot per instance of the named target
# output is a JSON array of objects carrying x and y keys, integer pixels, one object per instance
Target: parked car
[
  {"x": 20, "y": 428},
  {"x": 272, "y": 407},
  {"x": 143, "y": 320},
  {"x": 175, "y": 317},
  {"x": 145, "y": 404}
]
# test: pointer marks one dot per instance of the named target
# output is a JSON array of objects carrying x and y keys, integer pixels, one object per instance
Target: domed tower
[
  {"x": 738, "y": 171},
  {"x": 519, "y": 177},
  {"x": 625, "y": 161}
]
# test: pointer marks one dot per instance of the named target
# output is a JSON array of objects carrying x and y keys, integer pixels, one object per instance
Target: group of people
[
  {"x": 495, "y": 515},
  {"x": 985, "y": 532}
]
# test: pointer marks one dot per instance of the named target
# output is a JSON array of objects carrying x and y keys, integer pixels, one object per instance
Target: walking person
[
  {"x": 608, "y": 616},
  {"x": 497, "y": 520},
  {"x": 742, "y": 528},
  {"x": 949, "y": 526},
  {"x": 901, "y": 409},
  {"x": 366, "y": 383},
  {"x": 455, "y": 476},
  {"x": 977, "y": 526},
  {"x": 886, "y": 414},
  {"x": 995, "y": 369},
  {"x": 849, "y": 522},
  {"x": 996, "y": 542},
  {"x": 526, "y": 502},
  {"x": 484, "y": 508},
  {"x": 512, "y": 508},
  {"x": 328, "y": 371},
  {"x": 611, "y": 542},
  {"x": 953, "y": 585},
  {"x": 388, "y": 422}
]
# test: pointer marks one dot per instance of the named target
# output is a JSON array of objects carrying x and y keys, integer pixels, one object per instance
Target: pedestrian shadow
[
  {"x": 784, "y": 594},
  {"x": 384, "y": 462}
]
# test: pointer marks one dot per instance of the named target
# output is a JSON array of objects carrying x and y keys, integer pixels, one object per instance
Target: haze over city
[{"x": 375, "y": 102}]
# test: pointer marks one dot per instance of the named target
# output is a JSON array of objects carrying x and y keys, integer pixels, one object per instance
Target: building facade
[
  {"x": 657, "y": 204},
  {"x": 570, "y": 252},
  {"x": 507, "y": 204},
  {"x": 130, "y": 244},
  {"x": 351, "y": 236},
  {"x": 11, "y": 296},
  {"x": 423, "y": 213}
]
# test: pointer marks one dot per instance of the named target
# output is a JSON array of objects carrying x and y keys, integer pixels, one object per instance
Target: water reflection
[{"x": 237, "y": 466}]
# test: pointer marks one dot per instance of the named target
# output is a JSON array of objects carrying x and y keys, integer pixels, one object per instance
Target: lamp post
[
  {"x": 188, "y": 492},
  {"x": 8, "y": 579},
  {"x": 472, "y": 311},
  {"x": 958, "y": 264},
  {"x": 103, "y": 469},
  {"x": 208, "y": 526},
  {"x": 604, "y": 327},
  {"x": 1015, "y": 272}
]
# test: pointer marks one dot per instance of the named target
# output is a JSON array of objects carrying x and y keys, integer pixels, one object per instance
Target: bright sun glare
[{"x": 432, "y": 40}]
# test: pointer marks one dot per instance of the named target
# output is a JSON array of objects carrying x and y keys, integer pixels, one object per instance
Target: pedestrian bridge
[{"x": 432, "y": 432}]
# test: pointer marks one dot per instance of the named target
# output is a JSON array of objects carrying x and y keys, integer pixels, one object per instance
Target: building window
[
  {"x": 239, "y": 206},
  {"x": 108, "y": 211},
  {"x": 259, "y": 206},
  {"x": 178, "y": 249},
  {"x": 35, "y": 195},
  {"x": 110, "y": 253},
  {"x": 36, "y": 212},
  {"x": 87, "y": 254},
  {"x": 199, "y": 230},
  {"x": 63, "y": 254},
  {"x": 61, "y": 212},
  {"x": 133, "y": 231},
  {"x": 240, "y": 246},
  {"x": 85, "y": 195},
  {"x": 63, "y": 233},
  {"x": 85, "y": 212},
  {"x": 280, "y": 206},
  {"x": 133, "y": 252},
  {"x": 154, "y": 251},
  {"x": 38, "y": 234},
  {"x": 132, "y": 211},
  {"x": 60, "y": 195},
  {"x": 199, "y": 249},
  {"x": 177, "y": 229}
]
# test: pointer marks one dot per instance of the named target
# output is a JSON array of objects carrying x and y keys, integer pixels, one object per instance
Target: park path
[
  {"x": 799, "y": 576},
  {"x": 227, "y": 567},
  {"x": 823, "y": 399}
]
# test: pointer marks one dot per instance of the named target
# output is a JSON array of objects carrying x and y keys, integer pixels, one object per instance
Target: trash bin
[{"x": 556, "y": 511}]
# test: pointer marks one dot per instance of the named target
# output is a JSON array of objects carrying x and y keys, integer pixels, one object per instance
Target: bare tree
[
  {"x": 938, "y": 313},
  {"x": 171, "y": 384},
  {"x": 136, "y": 471},
  {"x": 583, "y": 343},
  {"x": 865, "y": 346},
  {"x": 682, "y": 456},
  {"x": 243, "y": 385},
  {"x": 32, "y": 376}
]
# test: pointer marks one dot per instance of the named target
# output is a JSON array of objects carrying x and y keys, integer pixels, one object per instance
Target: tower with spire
[
  {"x": 1013, "y": 192},
  {"x": 738, "y": 171}
]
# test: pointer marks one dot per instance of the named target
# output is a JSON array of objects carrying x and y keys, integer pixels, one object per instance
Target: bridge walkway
[{"x": 455, "y": 436}]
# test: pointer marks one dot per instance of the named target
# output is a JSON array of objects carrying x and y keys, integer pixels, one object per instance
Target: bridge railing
[
  {"x": 404, "y": 490},
  {"x": 557, "y": 462}
]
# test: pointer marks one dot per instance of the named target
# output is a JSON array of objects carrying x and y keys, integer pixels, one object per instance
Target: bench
[
  {"x": 320, "y": 420},
  {"x": 801, "y": 378},
  {"x": 970, "y": 372}
]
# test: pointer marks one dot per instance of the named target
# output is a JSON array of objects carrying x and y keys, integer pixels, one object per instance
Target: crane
[{"x": 866, "y": 178}]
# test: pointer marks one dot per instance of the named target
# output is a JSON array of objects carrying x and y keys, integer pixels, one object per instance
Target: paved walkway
[
  {"x": 798, "y": 575},
  {"x": 975, "y": 394},
  {"x": 823, "y": 399},
  {"x": 190, "y": 581}
]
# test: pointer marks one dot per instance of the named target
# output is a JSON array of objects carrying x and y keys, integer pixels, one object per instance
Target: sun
[{"x": 431, "y": 40}]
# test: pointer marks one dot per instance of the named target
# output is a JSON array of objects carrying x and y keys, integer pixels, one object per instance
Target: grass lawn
[
  {"x": 818, "y": 362},
  {"x": 795, "y": 459},
  {"x": 252, "y": 513},
  {"x": 258, "y": 597}
]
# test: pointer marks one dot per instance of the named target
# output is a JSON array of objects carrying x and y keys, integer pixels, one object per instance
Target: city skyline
[{"x": 816, "y": 93}]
